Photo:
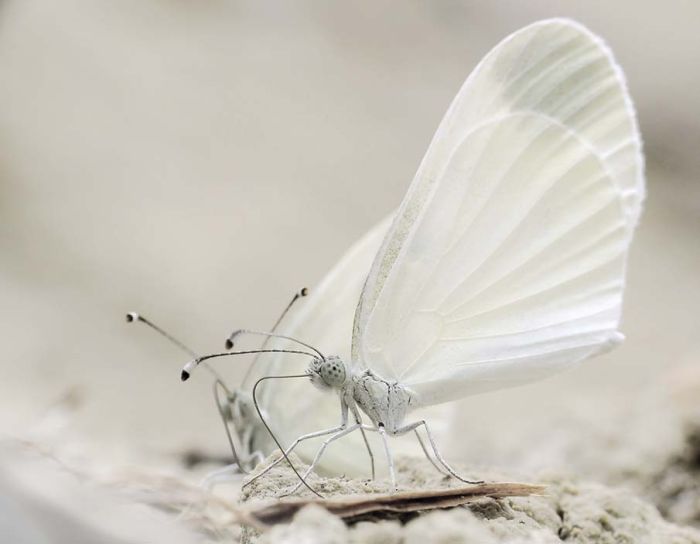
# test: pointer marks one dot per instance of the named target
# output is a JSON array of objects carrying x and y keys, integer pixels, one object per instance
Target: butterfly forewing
[
  {"x": 506, "y": 259},
  {"x": 324, "y": 319}
]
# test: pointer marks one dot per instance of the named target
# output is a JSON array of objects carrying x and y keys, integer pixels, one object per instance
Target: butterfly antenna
[
  {"x": 299, "y": 294},
  {"x": 235, "y": 334},
  {"x": 194, "y": 363},
  {"x": 277, "y": 442},
  {"x": 229, "y": 341},
  {"x": 132, "y": 317}
]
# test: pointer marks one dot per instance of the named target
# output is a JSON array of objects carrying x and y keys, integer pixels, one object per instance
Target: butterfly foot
[
  {"x": 293, "y": 491},
  {"x": 464, "y": 480}
]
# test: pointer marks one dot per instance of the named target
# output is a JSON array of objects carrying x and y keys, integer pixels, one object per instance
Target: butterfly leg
[
  {"x": 290, "y": 448},
  {"x": 448, "y": 468},
  {"x": 254, "y": 458},
  {"x": 257, "y": 457},
  {"x": 427, "y": 454},
  {"x": 389, "y": 457},
  {"x": 358, "y": 419},
  {"x": 322, "y": 449},
  {"x": 343, "y": 425},
  {"x": 224, "y": 410}
]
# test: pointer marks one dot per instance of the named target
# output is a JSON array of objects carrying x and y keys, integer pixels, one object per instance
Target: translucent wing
[
  {"x": 324, "y": 319},
  {"x": 506, "y": 258}
]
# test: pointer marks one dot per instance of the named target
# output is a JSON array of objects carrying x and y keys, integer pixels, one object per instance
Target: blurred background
[{"x": 198, "y": 162}]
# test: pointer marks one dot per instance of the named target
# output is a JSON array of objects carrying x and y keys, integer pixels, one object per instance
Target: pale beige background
[{"x": 198, "y": 161}]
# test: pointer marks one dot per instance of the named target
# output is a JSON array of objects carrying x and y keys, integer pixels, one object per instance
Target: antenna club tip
[
  {"x": 231, "y": 337},
  {"x": 304, "y": 291},
  {"x": 187, "y": 370},
  {"x": 131, "y": 317}
]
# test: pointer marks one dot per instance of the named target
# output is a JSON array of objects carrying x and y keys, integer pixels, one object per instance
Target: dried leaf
[{"x": 381, "y": 505}]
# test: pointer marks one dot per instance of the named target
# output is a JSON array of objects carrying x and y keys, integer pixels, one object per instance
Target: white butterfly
[
  {"x": 326, "y": 314},
  {"x": 504, "y": 263}
]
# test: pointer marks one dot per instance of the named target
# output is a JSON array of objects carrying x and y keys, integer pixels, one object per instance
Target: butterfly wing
[
  {"x": 324, "y": 319},
  {"x": 506, "y": 259}
]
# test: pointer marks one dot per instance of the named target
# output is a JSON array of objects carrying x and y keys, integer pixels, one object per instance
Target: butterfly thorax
[{"x": 384, "y": 402}]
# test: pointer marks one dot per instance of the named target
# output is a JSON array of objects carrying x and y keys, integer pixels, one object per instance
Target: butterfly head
[{"x": 328, "y": 373}]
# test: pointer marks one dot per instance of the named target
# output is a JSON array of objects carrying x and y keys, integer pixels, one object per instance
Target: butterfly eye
[{"x": 332, "y": 372}]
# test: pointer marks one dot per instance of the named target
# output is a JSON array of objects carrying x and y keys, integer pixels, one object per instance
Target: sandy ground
[
  {"x": 83, "y": 504},
  {"x": 569, "y": 511},
  {"x": 200, "y": 162}
]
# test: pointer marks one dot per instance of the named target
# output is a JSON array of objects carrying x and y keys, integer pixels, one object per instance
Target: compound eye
[{"x": 333, "y": 373}]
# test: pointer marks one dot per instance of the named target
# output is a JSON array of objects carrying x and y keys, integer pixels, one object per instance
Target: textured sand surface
[
  {"x": 56, "y": 490},
  {"x": 571, "y": 511}
]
